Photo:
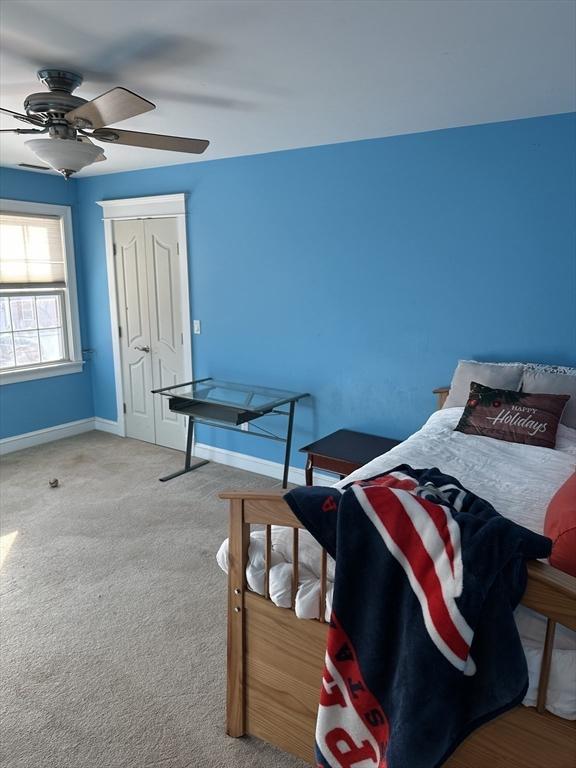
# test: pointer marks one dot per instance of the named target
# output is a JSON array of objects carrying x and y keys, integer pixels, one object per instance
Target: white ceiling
[{"x": 263, "y": 75}]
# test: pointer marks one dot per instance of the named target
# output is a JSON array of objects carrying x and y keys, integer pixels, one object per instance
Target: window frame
[{"x": 74, "y": 363}]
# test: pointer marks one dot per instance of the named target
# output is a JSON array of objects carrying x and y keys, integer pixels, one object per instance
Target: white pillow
[
  {"x": 566, "y": 440},
  {"x": 553, "y": 380},
  {"x": 495, "y": 375}
]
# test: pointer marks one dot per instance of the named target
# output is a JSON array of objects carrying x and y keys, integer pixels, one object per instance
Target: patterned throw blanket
[{"x": 422, "y": 645}]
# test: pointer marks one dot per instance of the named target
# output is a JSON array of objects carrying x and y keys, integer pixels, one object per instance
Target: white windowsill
[{"x": 41, "y": 372}]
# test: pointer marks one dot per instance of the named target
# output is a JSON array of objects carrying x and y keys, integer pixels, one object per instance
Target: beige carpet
[{"x": 113, "y": 611}]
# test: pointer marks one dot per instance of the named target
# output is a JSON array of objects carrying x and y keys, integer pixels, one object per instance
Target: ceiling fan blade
[
  {"x": 21, "y": 130},
  {"x": 151, "y": 140},
  {"x": 19, "y": 116},
  {"x": 13, "y": 114},
  {"x": 111, "y": 107},
  {"x": 36, "y": 167}
]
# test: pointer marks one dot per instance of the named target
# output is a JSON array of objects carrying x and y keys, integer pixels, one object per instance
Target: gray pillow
[
  {"x": 553, "y": 380},
  {"x": 495, "y": 375}
]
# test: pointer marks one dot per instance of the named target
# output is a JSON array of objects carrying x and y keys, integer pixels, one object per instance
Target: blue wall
[
  {"x": 33, "y": 405},
  {"x": 361, "y": 272}
]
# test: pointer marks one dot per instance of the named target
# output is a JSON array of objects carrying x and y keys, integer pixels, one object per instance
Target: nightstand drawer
[{"x": 339, "y": 466}]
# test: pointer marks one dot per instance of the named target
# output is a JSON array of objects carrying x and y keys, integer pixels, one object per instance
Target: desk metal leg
[
  {"x": 189, "y": 441},
  {"x": 288, "y": 445},
  {"x": 187, "y": 461}
]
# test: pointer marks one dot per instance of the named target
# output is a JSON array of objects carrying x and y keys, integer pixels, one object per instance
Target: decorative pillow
[
  {"x": 560, "y": 526},
  {"x": 517, "y": 417},
  {"x": 498, "y": 375},
  {"x": 553, "y": 379}
]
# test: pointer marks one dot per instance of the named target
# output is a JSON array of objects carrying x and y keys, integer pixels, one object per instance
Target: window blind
[{"x": 31, "y": 251}]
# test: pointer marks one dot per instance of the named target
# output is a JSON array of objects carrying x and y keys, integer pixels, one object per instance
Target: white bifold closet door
[{"x": 151, "y": 339}]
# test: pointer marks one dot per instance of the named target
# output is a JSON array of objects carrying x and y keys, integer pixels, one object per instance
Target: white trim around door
[{"x": 157, "y": 206}]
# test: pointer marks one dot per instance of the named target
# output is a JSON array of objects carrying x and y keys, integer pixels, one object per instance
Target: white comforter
[{"x": 518, "y": 480}]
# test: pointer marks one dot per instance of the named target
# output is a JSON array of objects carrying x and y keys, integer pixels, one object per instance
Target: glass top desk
[{"x": 228, "y": 406}]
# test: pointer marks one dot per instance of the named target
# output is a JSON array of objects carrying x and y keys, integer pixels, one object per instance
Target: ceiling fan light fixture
[{"x": 67, "y": 156}]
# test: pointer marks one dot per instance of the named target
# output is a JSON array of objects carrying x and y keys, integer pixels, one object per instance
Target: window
[{"x": 38, "y": 310}]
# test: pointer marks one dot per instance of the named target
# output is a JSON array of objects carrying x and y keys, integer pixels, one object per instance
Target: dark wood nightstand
[{"x": 344, "y": 451}]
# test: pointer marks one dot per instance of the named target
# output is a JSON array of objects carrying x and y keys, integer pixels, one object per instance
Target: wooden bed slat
[
  {"x": 267, "y": 559},
  {"x": 545, "y": 666},
  {"x": 295, "y": 564}
]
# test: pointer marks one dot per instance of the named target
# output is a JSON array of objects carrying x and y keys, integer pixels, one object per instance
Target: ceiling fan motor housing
[
  {"x": 51, "y": 103},
  {"x": 59, "y": 99},
  {"x": 60, "y": 79}
]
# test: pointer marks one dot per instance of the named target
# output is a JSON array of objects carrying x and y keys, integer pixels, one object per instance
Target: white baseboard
[
  {"x": 48, "y": 435},
  {"x": 201, "y": 450},
  {"x": 106, "y": 425},
  {"x": 258, "y": 466},
  {"x": 39, "y": 436}
]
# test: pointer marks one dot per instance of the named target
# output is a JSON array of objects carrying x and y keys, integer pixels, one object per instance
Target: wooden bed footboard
[{"x": 275, "y": 660}]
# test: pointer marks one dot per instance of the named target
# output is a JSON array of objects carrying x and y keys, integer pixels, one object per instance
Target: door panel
[
  {"x": 163, "y": 272},
  {"x": 167, "y": 379},
  {"x": 129, "y": 255},
  {"x": 132, "y": 286},
  {"x": 162, "y": 268},
  {"x": 137, "y": 387}
]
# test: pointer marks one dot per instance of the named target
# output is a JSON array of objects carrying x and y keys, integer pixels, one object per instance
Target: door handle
[{"x": 145, "y": 348}]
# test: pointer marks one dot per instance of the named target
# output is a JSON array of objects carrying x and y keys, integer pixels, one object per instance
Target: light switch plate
[{"x": 196, "y": 327}]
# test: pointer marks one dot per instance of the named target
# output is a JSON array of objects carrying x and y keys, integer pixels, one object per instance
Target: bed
[{"x": 275, "y": 659}]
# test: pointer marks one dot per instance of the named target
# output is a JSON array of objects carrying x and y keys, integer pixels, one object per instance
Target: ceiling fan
[{"x": 72, "y": 122}]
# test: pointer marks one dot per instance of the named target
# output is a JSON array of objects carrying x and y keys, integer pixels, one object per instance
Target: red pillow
[{"x": 560, "y": 526}]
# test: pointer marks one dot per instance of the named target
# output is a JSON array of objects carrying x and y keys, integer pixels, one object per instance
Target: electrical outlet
[
  {"x": 196, "y": 327},
  {"x": 244, "y": 426}
]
